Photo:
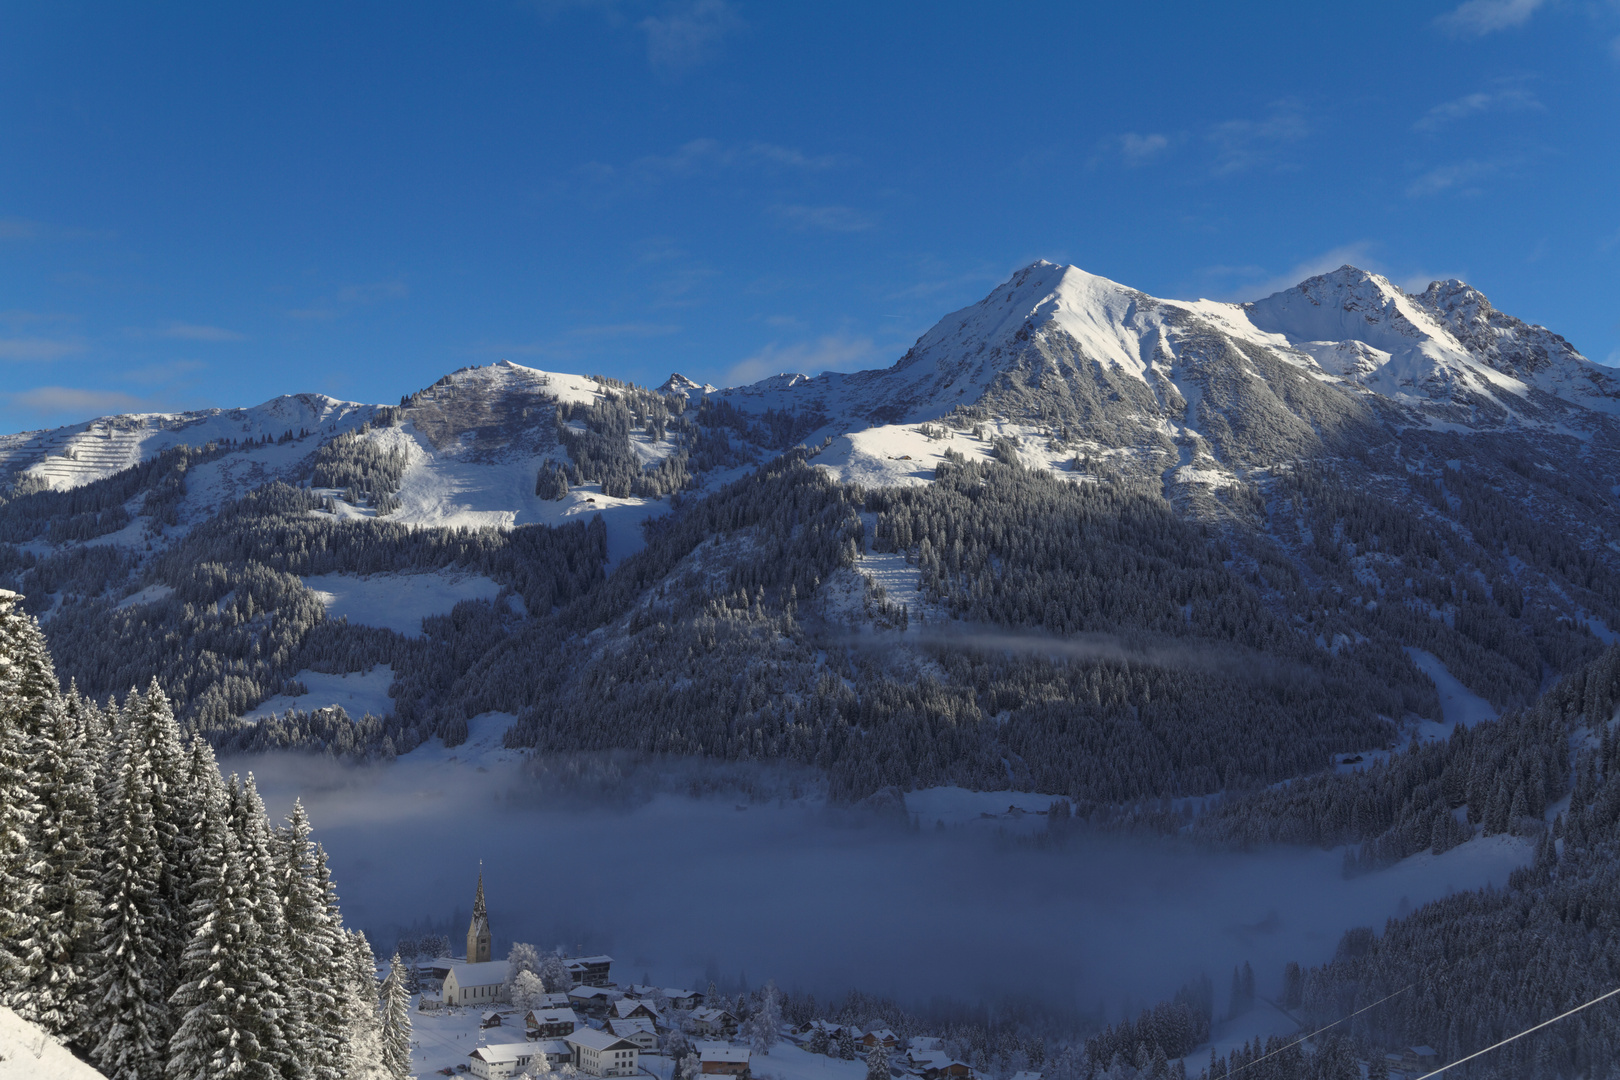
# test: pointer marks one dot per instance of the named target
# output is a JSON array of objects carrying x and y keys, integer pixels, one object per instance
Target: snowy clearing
[
  {"x": 397, "y": 602},
  {"x": 359, "y": 693},
  {"x": 1458, "y": 704}
]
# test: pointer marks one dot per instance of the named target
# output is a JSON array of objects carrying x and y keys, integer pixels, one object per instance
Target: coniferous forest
[{"x": 152, "y": 917}]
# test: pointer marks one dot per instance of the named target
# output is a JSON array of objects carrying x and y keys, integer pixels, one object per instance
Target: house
[
  {"x": 684, "y": 1000},
  {"x": 489, "y": 1020},
  {"x": 937, "y": 1065},
  {"x": 714, "y": 1022},
  {"x": 557, "y": 1052},
  {"x": 631, "y": 1009},
  {"x": 550, "y": 1023},
  {"x": 551, "y": 1001},
  {"x": 601, "y": 1053},
  {"x": 881, "y": 1037},
  {"x": 636, "y": 1030},
  {"x": 590, "y": 970},
  {"x": 592, "y": 1000},
  {"x": 500, "y": 1061},
  {"x": 1419, "y": 1059},
  {"x": 810, "y": 1028},
  {"x": 924, "y": 1042},
  {"x": 723, "y": 1060},
  {"x": 476, "y": 984}
]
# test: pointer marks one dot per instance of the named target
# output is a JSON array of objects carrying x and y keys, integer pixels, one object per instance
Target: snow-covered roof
[
  {"x": 592, "y": 1039},
  {"x": 582, "y": 992},
  {"x": 722, "y": 1052},
  {"x": 552, "y": 1016},
  {"x": 620, "y": 1025},
  {"x": 711, "y": 1014},
  {"x": 503, "y": 1052},
  {"x": 491, "y": 973},
  {"x": 626, "y": 1006},
  {"x": 583, "y": 961}
]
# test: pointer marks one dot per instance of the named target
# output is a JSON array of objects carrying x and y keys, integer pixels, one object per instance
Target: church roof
[{"x": 491, "y": 973}]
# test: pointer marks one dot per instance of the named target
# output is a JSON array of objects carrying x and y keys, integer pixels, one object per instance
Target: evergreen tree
[
  {"x": 819, "y": 1042},
  {"x": 765, "y": 1025},
  {"x": 285, "y": 1031},
  {"x": 846, "y": 1044},
  {"x": 18, "y": 808},
  {"x": 129, "y": 1007},
  {"x": 67, "y": 904},
  {"x": 363, "y": 1045},
  {"x": 315, "y": 942},
  {"x": 396, "y": 1023},
  {"x": 223, "y": 1030},
  {"x": 877, "y": 1063}
]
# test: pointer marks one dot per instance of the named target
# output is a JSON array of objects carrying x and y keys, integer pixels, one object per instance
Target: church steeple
[{"x": 478, "y": 943}]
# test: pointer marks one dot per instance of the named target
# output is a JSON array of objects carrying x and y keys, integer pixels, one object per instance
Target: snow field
[
  {"x": 397, "y": 602},
  {"x": 359, "y": 693}
]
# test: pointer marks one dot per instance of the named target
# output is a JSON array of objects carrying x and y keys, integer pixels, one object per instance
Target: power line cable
[{"x": 1522, "y": 1034}]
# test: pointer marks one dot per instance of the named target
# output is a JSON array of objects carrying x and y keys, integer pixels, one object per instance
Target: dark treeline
[{"x": 150, "y": 916}]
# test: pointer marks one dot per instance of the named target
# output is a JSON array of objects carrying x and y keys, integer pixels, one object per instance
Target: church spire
[{"x": 478, "y": 938}]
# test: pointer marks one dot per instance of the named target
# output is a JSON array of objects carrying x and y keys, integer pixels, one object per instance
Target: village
[{"x": 559, "y": 1016}]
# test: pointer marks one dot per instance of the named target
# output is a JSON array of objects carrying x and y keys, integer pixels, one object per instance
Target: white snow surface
[
  {"x": 397, "y": 602},
  {"x": 359, "y": 693},
  {"x": 28, "y": 1052},
  {"x": 1458, "y": 704}
]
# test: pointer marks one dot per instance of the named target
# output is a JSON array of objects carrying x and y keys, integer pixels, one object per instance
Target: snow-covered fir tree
[
  {"x": 764, "y": 1027},
  {"x": 396, "y": 1023},
  {"x": 877, "y": 1063}
]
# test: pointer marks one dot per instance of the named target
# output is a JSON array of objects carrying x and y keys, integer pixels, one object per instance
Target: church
[{"x": 480, "y": 981}]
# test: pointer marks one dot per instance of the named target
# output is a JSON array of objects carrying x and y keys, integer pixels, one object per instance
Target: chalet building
[
  {"x": 557, "y": 1052},
  {"x": 501, "y": 1061},
  {"x": 684, "y": 1000},
  {"x": 631, "y": 1009},
  {"x": 637, "y": 1030},
  {"x": 489, "y": 1020},
  {"x": 590, "y": 970},
  {"x": 1415, "y": 1059},
  {"x": 720, "y": 1059},
  {"x": 600, "y": 1053},
  {"x": 593, "y": 1000},
  {"x": 476, "y": 985},
  {"x": 550, "y": 1023},
  {"x": 937, "y": 1065},
  {"x": 714, "y": 1022},
  {"x": 881, "y": 1037}
]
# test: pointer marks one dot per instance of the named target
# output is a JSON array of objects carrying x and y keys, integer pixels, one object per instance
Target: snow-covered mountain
[{"x": 1383, "y": 492}]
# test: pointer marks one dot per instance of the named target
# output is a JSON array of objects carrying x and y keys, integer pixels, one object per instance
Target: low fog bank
[{"x": 754, "y": 876}]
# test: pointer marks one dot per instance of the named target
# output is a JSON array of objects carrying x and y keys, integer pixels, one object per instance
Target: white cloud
[
  {"x": 69, "y": 399},
  {"x": 193, "y": 332},
  {"x": 1137, "y": 149},
  {"x": 826, "y": 218},
  {"x": 38, "y": 349},
  {"x": 689, "y": 35},
  {"x": 1447, "y": 177},
  {"x": 827, "y": 353},
  {"x": 1241, "y": 145},
  {"x": 154, "y": 374},
  {"x": 1511, "y": 98},
  {"x": 1476, "y": 18}
]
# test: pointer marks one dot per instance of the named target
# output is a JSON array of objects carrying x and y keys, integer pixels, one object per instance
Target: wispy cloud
[
  {"x": 51, "y": 400},
  {"x": 1512, "y": 98},
  {"x": 1241, "y": 145},
  {"x": 626, "y": 330},
  {"x": 1137, "y": 150},
  {"x": 1476, "y": 18},
  {"x": 1356, "y": 254},
  {"x": 689, "y": 35},
  {"x": 828, "y": 353},
  {"x": 38, "y": 349},
  {"x": 157, "y": 374},
  {"x": 196, "y": 332},
  {"x": 373, "y": 293},
  {"x": 1458, "y": 176},
  {"x": 838, "y": 219}
]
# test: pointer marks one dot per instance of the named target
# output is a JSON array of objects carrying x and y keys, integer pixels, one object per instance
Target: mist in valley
[{"x": 686, "y": 872}]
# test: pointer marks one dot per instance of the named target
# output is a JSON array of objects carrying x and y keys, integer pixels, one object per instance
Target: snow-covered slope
[
  {"x": 27, "y": 1052},
  {"x": 69, "y": 457}
]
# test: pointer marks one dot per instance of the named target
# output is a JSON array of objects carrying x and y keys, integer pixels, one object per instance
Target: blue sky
[{"x": 210, "y": 204}]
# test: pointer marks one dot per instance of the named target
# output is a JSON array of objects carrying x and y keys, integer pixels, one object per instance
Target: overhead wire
[{"x": 1522, "y": 1034}]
